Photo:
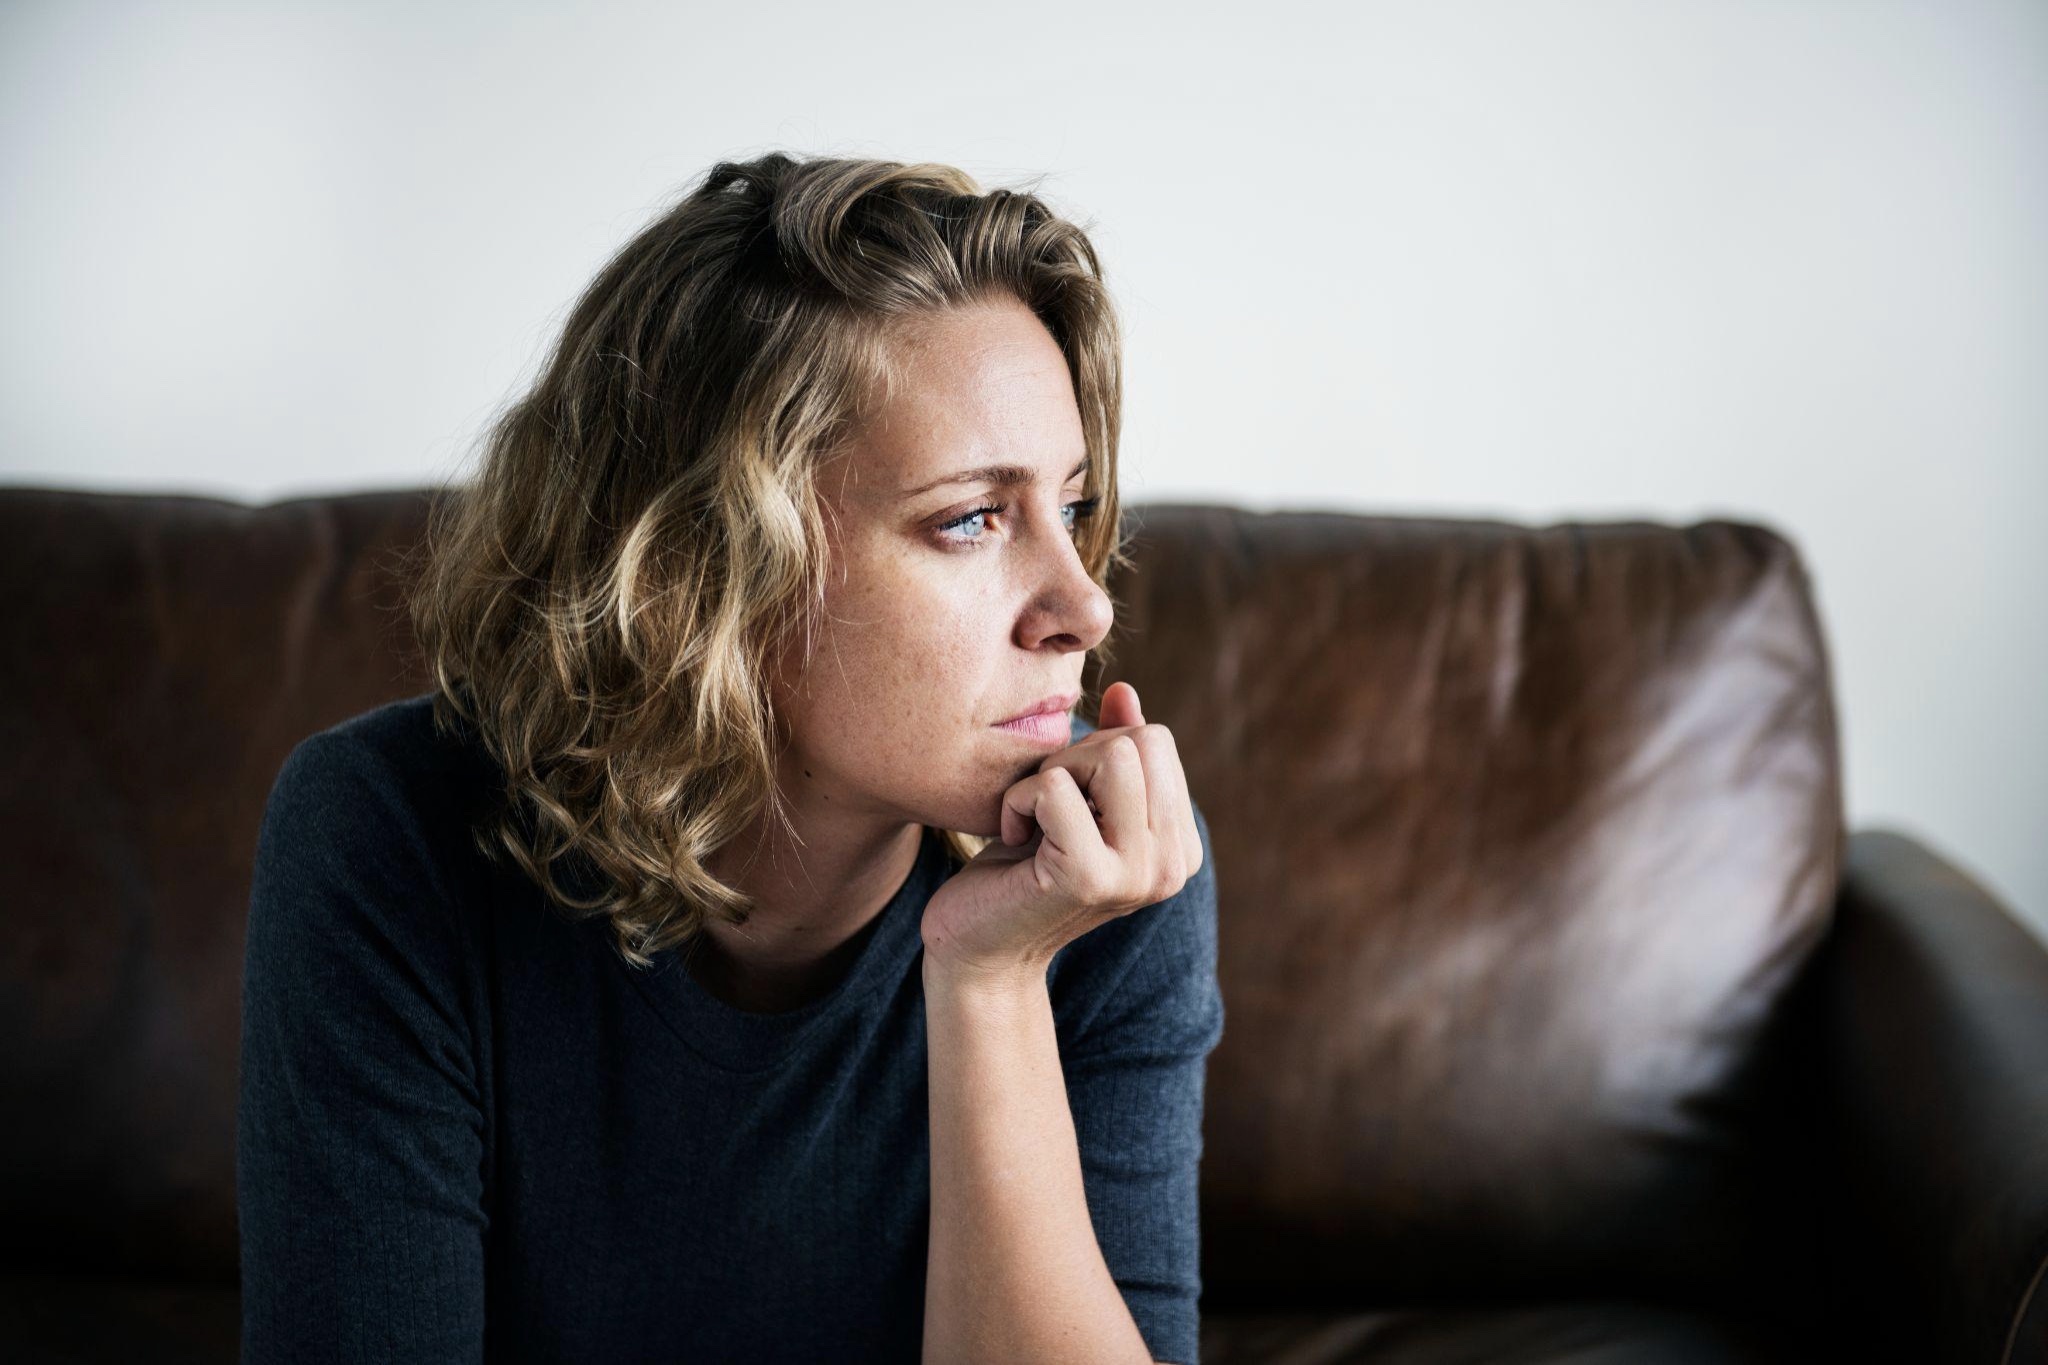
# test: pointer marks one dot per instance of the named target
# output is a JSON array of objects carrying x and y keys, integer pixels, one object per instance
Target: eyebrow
[{"x": 1001, "y": 475}]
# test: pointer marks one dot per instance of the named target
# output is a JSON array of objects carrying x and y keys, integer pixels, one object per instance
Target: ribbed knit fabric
[{"x": 469, "y": 1131}]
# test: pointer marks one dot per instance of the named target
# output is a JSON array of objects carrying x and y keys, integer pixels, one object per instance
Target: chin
[
  {"x": 985, "y": 820},
  {"x": 974, "y": 804},
  {"x": 989, "y": 828},
  {"x": 978, "y": 813}
]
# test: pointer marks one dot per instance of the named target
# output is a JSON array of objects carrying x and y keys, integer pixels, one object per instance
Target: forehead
[{"x": 970, "y": 386}]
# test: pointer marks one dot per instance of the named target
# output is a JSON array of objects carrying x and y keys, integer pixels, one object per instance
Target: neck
[{"x": 814, "y": 904}]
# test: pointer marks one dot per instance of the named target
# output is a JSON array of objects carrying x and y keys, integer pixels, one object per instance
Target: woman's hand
[{"x": 1104, "y": 827}]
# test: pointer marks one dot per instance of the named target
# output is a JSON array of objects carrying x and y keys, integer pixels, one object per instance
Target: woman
[{"x": 713, "y": 965}]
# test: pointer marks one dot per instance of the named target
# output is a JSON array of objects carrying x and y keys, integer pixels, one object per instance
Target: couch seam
[{"x": 2019, "y": 1317}]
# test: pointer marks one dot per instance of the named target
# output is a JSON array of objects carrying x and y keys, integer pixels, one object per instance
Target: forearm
[{"x": 1014, "y": 1272}]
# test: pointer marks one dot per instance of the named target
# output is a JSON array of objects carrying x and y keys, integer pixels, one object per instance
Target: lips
[{"x": 1058, "y": 701}]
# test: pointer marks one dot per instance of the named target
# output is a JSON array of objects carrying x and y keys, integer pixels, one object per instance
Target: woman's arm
[
  {"x": 1022, "y": 1126},
  {"x": 1014, "y": 1271},
  {"x": 360, "y": 1137}
]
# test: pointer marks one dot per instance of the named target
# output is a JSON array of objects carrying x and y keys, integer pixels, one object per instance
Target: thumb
[{"x": 1119, "y": 707}]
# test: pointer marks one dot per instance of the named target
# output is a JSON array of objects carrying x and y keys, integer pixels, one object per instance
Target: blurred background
[{"x": 1779, "y": 262}]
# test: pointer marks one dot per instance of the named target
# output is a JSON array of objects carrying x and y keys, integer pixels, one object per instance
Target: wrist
[{"x": 995, "y": 981}]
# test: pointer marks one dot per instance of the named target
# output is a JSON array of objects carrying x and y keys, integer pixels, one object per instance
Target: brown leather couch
[{"x": 1565, "y": 1022}]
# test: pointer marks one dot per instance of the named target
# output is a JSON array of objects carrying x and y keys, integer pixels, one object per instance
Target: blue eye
[{"x": 1081, "y": 509}]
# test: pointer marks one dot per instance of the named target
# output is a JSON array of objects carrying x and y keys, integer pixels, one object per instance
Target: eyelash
[{"x": 1083, "y": 509}]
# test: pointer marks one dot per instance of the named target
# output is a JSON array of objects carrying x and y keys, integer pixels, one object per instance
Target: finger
[
  {"x": 1167, "y": 793},
  {"x": 1053, "y": 801},
  {"x": 1081, "y": 758},
  {"x": 1084, "y": 759},
  {"x": 1116, "y": 798},
  {"x": 1118, "y": 788},
  {"x": 1019, "y": 801},
  {"x": 1183, "y": 803}
]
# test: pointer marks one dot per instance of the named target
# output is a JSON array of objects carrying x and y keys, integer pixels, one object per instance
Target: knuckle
[
  {"x": 1159, "y": 743},
  {"x": 1157, "y": 884}
]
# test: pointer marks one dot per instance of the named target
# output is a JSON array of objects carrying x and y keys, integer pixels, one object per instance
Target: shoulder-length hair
[{"x": 600, "y": 603}]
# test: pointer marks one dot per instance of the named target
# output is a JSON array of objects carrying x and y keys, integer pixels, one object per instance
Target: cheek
[
  {"x": 890, "y": 654},
  {"x": 912, "y": 638},
  {"x": 901, "y": 693},
  {"x": 924, "y": 621},
  {"x": 928, "y": 663}
]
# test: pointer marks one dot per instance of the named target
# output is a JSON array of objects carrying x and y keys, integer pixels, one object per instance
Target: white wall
[{"x": 1780, "y": 261}]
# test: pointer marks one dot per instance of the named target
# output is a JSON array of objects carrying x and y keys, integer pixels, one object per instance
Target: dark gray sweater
[{"x": 469, "y": 1131}]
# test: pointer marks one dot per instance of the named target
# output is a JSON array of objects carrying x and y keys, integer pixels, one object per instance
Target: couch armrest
[{"x": 1934, "y": 1040}]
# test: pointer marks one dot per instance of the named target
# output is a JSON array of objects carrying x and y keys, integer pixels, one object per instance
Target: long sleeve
[
  {"x": 360, "y": 1133},
  {"x": 1135, "y": 1066}
]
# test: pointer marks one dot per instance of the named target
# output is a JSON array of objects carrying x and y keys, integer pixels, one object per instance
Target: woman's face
[{"x": 942, "y": 619}]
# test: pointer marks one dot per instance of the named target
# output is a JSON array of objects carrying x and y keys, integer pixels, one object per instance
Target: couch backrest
[
  {"x": 1520, "y": 833},
  {"x": 166, "y": 653}
]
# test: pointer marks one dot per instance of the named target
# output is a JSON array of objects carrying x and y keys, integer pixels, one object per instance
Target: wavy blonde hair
[{"x": 602, "y": 601}]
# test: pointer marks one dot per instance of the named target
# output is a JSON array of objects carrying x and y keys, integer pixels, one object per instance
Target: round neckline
[{"x": 737, "y": 1040}]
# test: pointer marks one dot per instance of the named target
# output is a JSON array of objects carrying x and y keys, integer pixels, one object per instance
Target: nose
[{"x": 1066, "y": 608}]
